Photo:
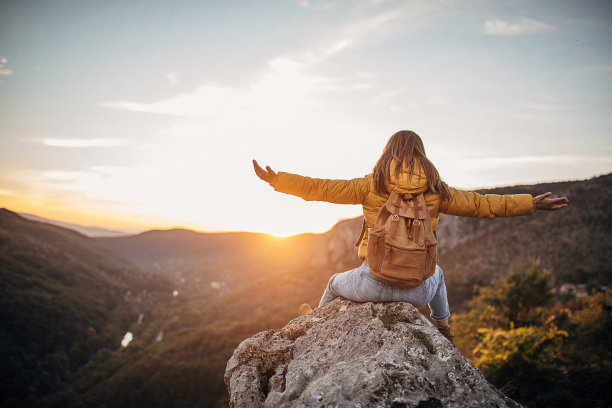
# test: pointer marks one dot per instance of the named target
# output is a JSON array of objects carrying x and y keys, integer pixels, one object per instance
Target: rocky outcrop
[
  {"x": 336, "y": 250},
  {"x": 349, "y": 354}
]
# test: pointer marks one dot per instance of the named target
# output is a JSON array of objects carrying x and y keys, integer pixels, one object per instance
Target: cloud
[
  {"x": 288, "y": 83},
  {"x": 285, "y": 83},
  {"x": 375, "y": 27},
  {"x": 3, "y": 69},
  {"x": 397, "y": 100},
  {"x": 317, "y": 4},
  {"x": 96, "y": 142},
  {"x": 545, "y": 107},
  {"x": 522, "y": 26},
  {"x": 283, "y": 86},
  {"x": 172, "y": 77},
  {"x": 437, "y": 100},
  {"x": 493, "y": 162}
]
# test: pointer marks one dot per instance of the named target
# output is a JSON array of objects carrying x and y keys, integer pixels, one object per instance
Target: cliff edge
[{"x": 349, "y": 354}]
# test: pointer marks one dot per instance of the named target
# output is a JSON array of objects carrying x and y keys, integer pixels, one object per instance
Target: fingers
[
  {"x": 550, "y": 204},
  {"x": 267, "y": 175},
  {"x": 256, "y": 166},
  {"x": 543, "y": 196},
  {"x": 554, "y": 204},
  {"x": 272, "y": 172},
  {"x": 258, "y": 170}
]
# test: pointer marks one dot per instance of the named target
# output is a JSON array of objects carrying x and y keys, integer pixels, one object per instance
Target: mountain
[
  {"x": 221, "y": 262},
  {"x": 85, "y": 230},
  {"x": 67, "y": 299},
  {"x": 64, "y": 297}
]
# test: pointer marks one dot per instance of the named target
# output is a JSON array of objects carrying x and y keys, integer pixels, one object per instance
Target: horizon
[
  {"x": 125, "y": 232},
  {"x": 148, "y": 113}
]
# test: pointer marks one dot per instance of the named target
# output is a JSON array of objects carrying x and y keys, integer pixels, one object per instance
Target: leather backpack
[{"x": 402, "y": 247}]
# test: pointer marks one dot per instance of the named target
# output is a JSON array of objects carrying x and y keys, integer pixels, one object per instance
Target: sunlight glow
[
  {"x": 168, "y": 141},
  {"x": 97, "y": 142}
]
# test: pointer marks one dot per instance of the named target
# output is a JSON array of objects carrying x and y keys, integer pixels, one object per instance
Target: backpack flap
[
  {"x": 407, "y": 224},
  {"x": 407, "y": 206}
]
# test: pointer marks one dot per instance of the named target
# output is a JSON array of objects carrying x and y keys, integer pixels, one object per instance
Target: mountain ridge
[{"x": 240, "y": 292}]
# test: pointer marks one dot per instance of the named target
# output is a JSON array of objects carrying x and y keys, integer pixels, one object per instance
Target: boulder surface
[{"x": 349, "y": 354}]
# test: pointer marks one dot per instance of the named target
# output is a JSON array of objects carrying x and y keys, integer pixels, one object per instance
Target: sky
[{"x": 132, "y": 115}]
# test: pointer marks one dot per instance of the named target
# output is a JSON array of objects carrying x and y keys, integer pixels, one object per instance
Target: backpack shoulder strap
[{"x": 364, "y": 228}]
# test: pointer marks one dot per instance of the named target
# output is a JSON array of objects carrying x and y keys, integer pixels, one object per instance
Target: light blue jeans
[{"x": 360, "y": 286}]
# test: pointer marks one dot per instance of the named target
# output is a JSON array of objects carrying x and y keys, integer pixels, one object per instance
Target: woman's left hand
[
  {"x": 550, "y": 204},
  {"x": 268, "y": 175}
]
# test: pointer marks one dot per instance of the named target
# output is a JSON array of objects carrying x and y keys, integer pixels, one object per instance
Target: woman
[{"x": 403, "y": 167}]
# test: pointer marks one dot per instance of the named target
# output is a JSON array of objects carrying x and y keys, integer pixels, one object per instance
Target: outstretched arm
[
  {"x": 471, "y": 204},
  {"x": 550, "y": 204},
  {"x": 314, "y": 189}
]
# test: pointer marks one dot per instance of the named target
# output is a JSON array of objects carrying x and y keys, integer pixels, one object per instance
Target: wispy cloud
[
  {"x": 172, "y": 77},
  {"x": 289, "y": 82},
  {"x": 397, "y": 100},
  {"x": 372, "y": 28},
  {"x": 96, "y": 142},
  {"x": 522, "y": 26},
  {"x": 377, "y": 26},
  {"x": 317, "y": 4},
  {"x": 3, "y": 67},
  {"x": 490, "y": 162},
  {"x": 545, "y": 107},
  {"x": 283, "y": 85}
]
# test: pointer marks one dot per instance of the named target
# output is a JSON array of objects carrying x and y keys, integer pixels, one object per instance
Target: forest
[{"x": 189, "y": 299}]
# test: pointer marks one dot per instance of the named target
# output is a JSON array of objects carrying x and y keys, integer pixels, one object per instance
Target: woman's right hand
[{"x": 268, "y": 175}]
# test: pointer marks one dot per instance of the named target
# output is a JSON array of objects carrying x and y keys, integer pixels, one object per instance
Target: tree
[
  {"x": 523, "y": 362},
  {"x": 514, "y": 300}
]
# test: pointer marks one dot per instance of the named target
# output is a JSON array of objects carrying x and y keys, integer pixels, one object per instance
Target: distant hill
[
  {"x": 63, "y": 298},
  {"x": 222, "y": 261},
  {"x": 85, "y": 230}
]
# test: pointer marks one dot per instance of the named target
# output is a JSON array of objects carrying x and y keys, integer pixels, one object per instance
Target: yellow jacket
[{"x": 361, "y": 191}]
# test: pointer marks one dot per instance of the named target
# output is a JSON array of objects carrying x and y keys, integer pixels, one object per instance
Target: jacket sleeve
[
  {"x": 470, "y": 204},
  {"x": 312, "y": 189}
]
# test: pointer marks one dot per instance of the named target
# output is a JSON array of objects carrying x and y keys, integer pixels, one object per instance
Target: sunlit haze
[{"x": 147, "y": 114}]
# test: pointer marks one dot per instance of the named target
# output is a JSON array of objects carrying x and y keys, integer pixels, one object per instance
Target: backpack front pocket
[{"x": 404, "y": 264}]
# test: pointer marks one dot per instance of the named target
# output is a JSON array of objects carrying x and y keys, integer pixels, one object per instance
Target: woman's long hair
[{"x": 405, "y": 148}]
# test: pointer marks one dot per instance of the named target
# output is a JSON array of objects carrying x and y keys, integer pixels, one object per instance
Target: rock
[
  {"x": 349, "y": 354},
  {"x": 335, "y": 250}
]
